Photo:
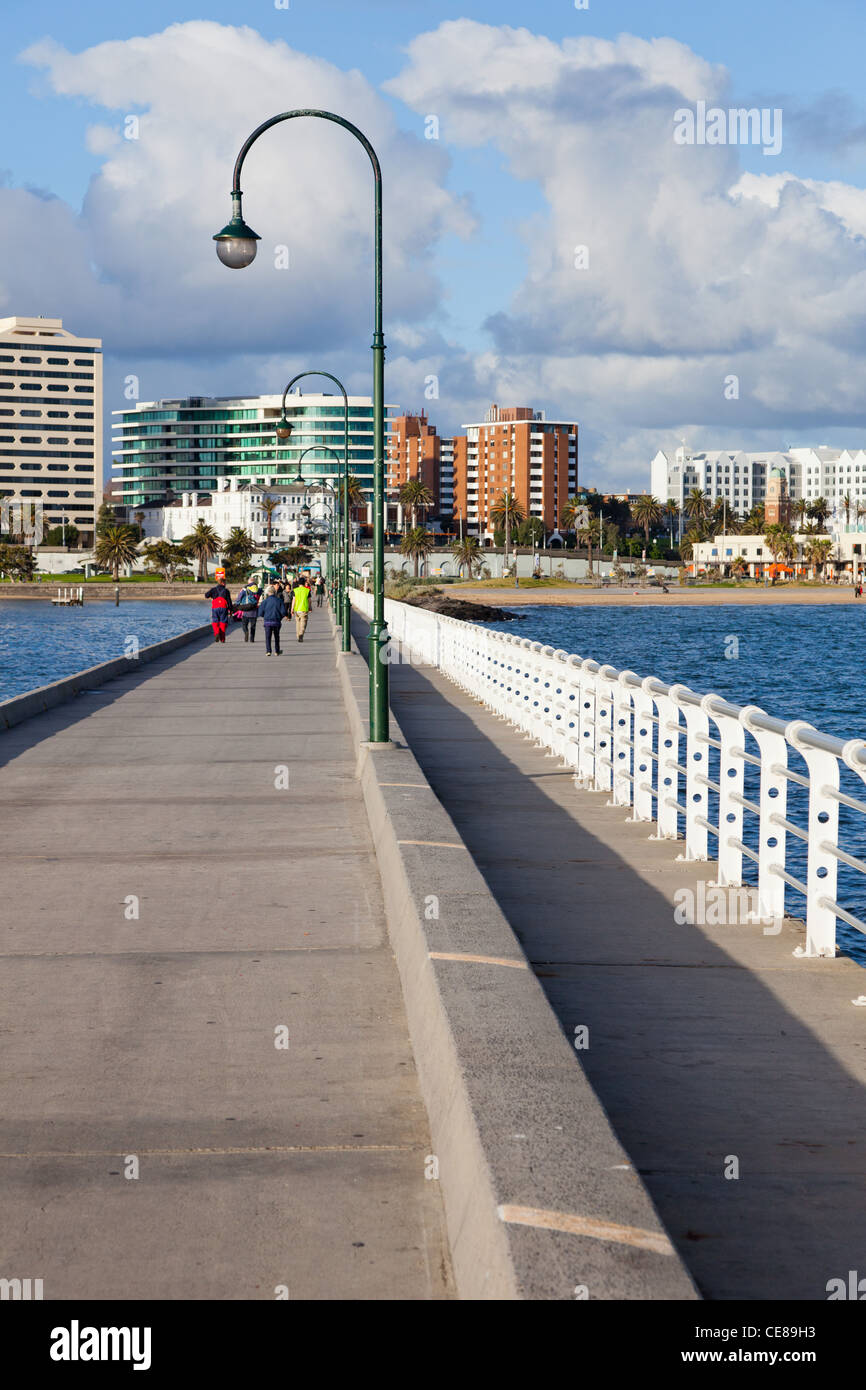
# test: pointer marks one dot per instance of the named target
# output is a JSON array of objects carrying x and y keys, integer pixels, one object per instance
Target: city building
[
  {"x": 805, "y": 474},
  {"x": 777, "y": 503},
  {"x": 192, "y": 444},
  {"x": 514, "y": 450},
  {"x": 846, "y": 556},
  {"x": 51, "y": 422},
  {"x": 302, "y": 514},
  {"x": 412, "y": 451}
]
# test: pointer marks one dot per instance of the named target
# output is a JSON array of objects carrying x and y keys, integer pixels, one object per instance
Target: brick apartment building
[
  {"x": 514, "y": 450},
  {"x": 415, "y": 450}
]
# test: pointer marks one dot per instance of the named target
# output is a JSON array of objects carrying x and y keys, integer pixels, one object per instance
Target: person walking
[
  {"x": 301, "y": 606},
  {"x": 272, "y": 611},
  {"x": 248, "y": 607},
  {"x": 320, "y": 590},
  {"x": 220, "y": 610}
]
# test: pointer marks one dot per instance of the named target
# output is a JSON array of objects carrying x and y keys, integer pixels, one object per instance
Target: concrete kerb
[
  {"x": 45, "y": 697},
  {"x": 541, "y": 1200}
]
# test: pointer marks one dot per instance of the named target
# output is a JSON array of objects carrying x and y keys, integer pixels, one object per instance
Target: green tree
[
  {"x": 161, "y": 557},
  {"x": 647, "y": 512},
  {"x": 238, "y": 551},
  {"x": 531, "y": 532},
  {"x": 106, "y": 519},
  {"x": 17, "y": 561},
  {"x": 819, "y": 510},
  {"x": 818, "y": 552},
  {"x": 568, "y": 513},
  {"x": 54, "y": 536},
  {"x": 589, "y": 535},
  {"x": 415, "y": 495},
  {"x": 755, "y": 522},
  {"x": 467, "y": 553},
  {"x": 202, "y": 543},
  {"x": 697, "y": 505},
  {"x": 115, "y": 547},
  {"x": 290, "y": 556},
  {"x": 417, "y": 544},
  {"x": 268, "y": 504}
]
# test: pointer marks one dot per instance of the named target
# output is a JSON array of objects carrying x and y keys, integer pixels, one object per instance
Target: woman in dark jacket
[{"x": 272, "y": 610}]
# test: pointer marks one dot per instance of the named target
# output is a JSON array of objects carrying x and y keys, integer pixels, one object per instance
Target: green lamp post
[
  {"x": 344, "y": 609},
  {"x": 236, "y": 248},
  {"x": 301, "y": 481}
]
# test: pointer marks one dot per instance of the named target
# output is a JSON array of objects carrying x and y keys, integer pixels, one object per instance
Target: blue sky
[{"x": 804, "y": 57}]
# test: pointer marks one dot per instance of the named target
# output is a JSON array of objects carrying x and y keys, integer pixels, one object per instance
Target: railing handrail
[{"x": 621, "y": 733}]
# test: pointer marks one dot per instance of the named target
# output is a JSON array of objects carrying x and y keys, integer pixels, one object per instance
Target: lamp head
[
  {"x": 283, "y": 427},
  {"x": 236, "y": 243}
]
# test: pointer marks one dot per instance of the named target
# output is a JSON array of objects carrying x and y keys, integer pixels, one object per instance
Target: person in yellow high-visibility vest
[{"x": 301, "y": 606}]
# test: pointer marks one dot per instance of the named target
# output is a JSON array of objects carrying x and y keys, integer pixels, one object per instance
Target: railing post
[
  {"x": 732, "y": 773},
  {"x": 696, "y": 793},
  {"x": 773, "y": 811},
  {"x": 642, "y": 764},
  {"x": 823, "y": 830},
  {"x": 667, "y": 784},
  {"x": 585, "y": 775}
]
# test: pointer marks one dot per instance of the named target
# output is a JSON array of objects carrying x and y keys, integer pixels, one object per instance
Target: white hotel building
[
  {"x": 51, "y": 422},
  {"x": 741, "y": 478}
]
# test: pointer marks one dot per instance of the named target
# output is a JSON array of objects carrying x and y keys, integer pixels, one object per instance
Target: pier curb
[
  {"x": 45, "y": 697},
  {"x": 541, "y": 1201}
]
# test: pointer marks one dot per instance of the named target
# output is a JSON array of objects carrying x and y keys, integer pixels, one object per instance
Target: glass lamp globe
[
  {"x": 236, "y": 243},
  {"x": 283, "y": 428}
]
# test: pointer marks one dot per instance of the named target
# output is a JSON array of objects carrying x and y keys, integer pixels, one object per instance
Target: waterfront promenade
[
  {"x": 731, "y": 1071},
  {"x": 172, "y": 910}
]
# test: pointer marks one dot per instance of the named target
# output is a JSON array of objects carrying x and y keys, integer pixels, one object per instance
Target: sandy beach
[{"x": 581, "y": 597}]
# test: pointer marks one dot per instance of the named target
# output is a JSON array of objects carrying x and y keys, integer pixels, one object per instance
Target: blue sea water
[
  {"x": 795, "y": 662},
  {"x": 40, "y": 643}
]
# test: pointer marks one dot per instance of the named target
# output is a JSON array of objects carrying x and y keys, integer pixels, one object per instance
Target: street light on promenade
[
  {"x": 284, "y": 430},
  {"x": 236, "y": 248},
  {"x": 343, "y": 612}
]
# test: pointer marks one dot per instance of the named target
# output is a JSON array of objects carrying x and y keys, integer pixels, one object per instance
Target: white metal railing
[{"x": 669, "y": 754}]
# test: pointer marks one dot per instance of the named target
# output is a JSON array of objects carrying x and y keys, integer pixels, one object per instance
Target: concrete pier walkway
[
  {"x": 731, "y": 1071},
  {"x": 171, "y": 911}
]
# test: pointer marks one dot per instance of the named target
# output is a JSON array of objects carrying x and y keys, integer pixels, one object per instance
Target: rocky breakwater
[{"x": 435, "y": 601}]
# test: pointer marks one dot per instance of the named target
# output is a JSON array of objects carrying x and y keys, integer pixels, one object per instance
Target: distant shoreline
[{"x": 630, "y": 598}]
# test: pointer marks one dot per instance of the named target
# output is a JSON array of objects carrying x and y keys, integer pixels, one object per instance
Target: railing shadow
[{"x": 701, "y": 1067}]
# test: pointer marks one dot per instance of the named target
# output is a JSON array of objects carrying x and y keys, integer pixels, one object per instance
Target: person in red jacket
[{"x": 220, "y": 610}]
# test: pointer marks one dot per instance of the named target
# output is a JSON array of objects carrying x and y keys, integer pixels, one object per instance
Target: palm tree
[
  {"x": 467, "y": 554},
  {"x": 800, "y": 508},
  {"x": 589, "y": 535},
  {"x": 506, "y": 514},
  {"x": 238, "y": 549},
  {"x": 417, "y": 544},
  {"x": 819, "y": 510},
  {"x": 115, "y": 547},
  {"x": 755, "y": 522},
  {"x": 697, "y": 505},
  {"x": 203, "y": 543},
  {"x": 416, "y": 495},
  {"x": 672, "y": 512},
  {"x": 569, "y": 512},
  {"x": 818, "y": 552},
  {"x": 647, "y": 511},
  {"x": 268, "y": 504},
  {"x": 848, "y": 505}
]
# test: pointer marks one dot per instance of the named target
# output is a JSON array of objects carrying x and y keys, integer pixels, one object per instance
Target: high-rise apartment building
[
  {"x": 515, "y": 450},
  {"x": 51, "y": 421},
  {"x": 190, "y": 444},
  {"x": 413, "y": 451}
]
